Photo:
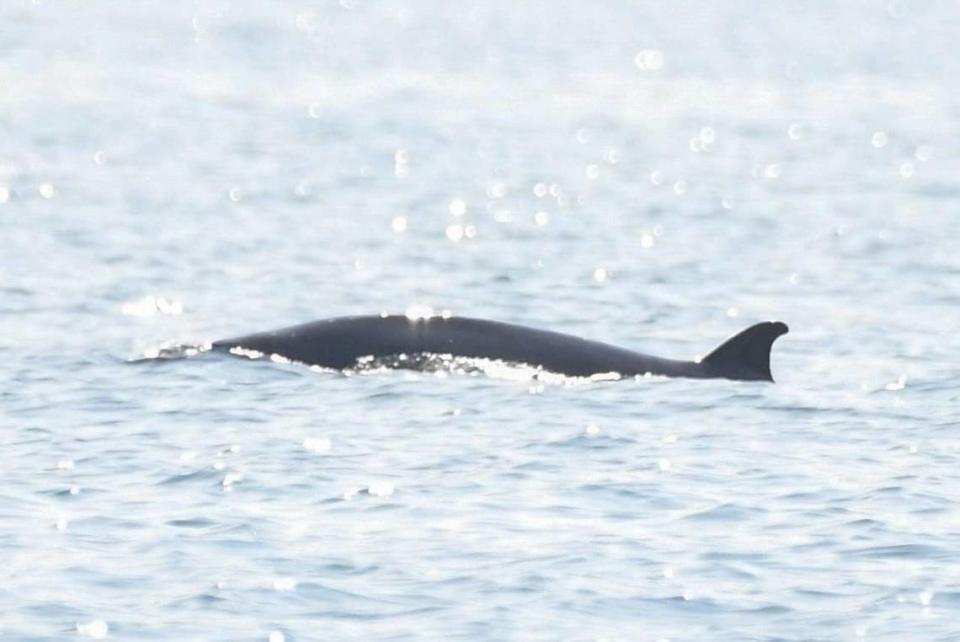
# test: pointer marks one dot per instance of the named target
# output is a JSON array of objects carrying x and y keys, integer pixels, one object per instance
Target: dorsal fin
[{"x": 746, "y": 355}]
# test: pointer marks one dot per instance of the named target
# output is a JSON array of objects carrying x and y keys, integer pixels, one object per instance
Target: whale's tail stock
[{"x": 746, "y": 356}]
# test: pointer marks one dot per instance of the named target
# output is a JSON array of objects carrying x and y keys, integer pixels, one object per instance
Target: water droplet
[
  {"x": 600, "y": 275},
  {"x": 771, "y": 171},
  {"x": 612, "y": 156},
  {"x": 923, "y": 153},
  {"x": 592, "y": 430},
  {"x": 656, "y": 177},
  {"x": 879, "y": 139},
  {"x": 664, "y": 465},
  {"x": 592, "y": 171},
  {"x": 61, "y": 524},
  {"x": 401, "y": 162},
  {"x": 906, "y": 169},
  {"x": 648, "y": 60},
  {"x": 284, "y": 584},
  {"x": 541, "y": 218},
  {"x": 96, "y": 629},
  {"x": 46, "y": 190},
  {"x": 381, "y": 489},
  {"x": 496, "y": 190},
  {"x": 235, "y": 194},
  {"x": 99, "y": 157},
  {"x": 899, "y": 384},
  {"x": 540, "y": 190},
  {"x": 680, "y": 187},
  {"x": 4, "y": 194},
  {"x": 794, "y": 131},
  {"x": 230, "y": 479},
  {"x": 455, "y": 233},
  {"x": 646, "y": 240},
  {"x": 419, "y": 311},
  {"x": 151, "y": 305},
  {"x": 707, "y": 135},
  {"x": 732, "y": 312},
  {"x": 276, "y": 636},
  {"x": 458, "y": 207},
  {"x": 65, "y": 464},
  {"x": 399, "y": 224},
  {"x": 583, "y": 135},
  {"x": 305, "y": 21}
]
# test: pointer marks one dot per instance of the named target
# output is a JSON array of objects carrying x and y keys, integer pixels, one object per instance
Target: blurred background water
[{"x": 656, "y": 175}]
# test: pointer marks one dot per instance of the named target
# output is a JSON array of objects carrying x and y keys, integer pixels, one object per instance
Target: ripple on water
[
  {"x": 591, "y": 441},
  {"x": 204, "y": 474},
  {"x": 727, "y": 512},
  {"x": 903, "y": 552},
  {"x": 192, "y": 523}
]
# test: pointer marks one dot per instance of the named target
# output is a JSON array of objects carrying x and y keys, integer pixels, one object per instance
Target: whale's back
[{"x": 339, "y": 343}]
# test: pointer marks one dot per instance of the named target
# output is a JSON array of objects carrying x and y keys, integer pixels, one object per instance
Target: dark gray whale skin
[{"x": 339, "y": 342}]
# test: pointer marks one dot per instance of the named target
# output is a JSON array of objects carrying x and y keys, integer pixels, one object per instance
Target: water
[{"x": 657, "y": 175}]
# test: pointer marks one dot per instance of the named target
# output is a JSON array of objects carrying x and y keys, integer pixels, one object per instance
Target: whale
[{"x": 344, "y": 343}]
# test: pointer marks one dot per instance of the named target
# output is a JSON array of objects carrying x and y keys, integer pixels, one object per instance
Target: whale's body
[{"x": 339, "y": 343}]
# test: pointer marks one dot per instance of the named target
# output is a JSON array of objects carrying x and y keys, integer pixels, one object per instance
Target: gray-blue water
[{"x": 656, "y": 175}]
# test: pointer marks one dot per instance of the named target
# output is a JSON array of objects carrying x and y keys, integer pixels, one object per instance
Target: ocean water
[{"x": 655, "y": 175}]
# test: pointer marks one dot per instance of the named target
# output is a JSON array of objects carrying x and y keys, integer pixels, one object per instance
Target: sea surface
[{"x": 658, "y": 175}]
